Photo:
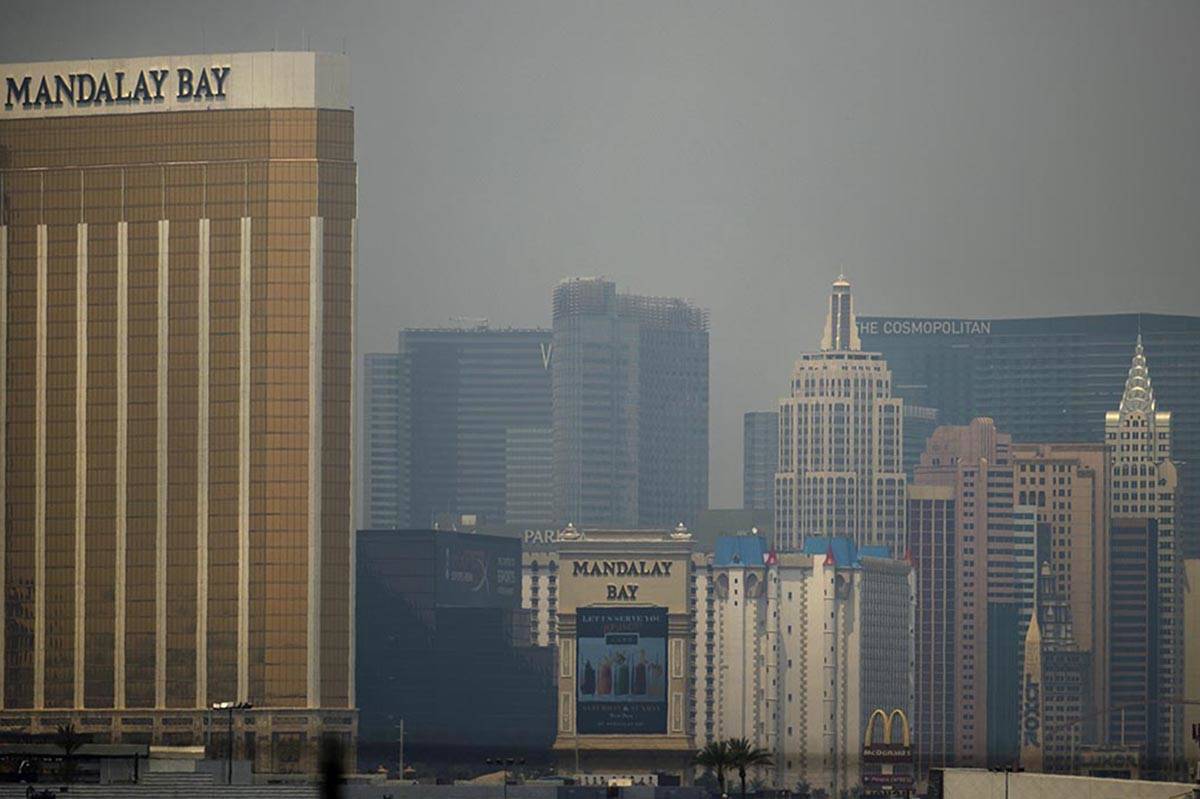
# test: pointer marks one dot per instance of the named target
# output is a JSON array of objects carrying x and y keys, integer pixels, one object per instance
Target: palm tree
[
  {"x": 742, "y": 756},
  {"x": 69, "y": 739},
  {"x": 715, "y": 756}
]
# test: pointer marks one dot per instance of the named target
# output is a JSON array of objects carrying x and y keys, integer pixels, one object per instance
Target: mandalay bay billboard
[{"x": 621, "y": 670}]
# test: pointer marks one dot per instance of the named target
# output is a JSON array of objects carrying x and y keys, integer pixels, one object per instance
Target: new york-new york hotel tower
[{"x": 177, "y": 267}]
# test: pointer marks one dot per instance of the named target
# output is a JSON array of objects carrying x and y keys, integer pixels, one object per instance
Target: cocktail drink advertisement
[{"x": 622, "y": 670}]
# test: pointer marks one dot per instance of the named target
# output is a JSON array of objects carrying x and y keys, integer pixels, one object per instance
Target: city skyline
[
  {"x": 926, "y": 151},
  {"x": 319, "y": 444},
  {"x": 1179, "y": 332}
]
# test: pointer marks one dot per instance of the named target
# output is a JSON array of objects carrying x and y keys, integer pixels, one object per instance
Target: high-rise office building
[
  {"x": 760, "y": 459},
  {"x": 630, "y": 386},
  {"x": 1050, "y": 379},
  {"x": 177, "y": 268},
  {"x": 935, "y": 551},
  {"x": 919, "y": 424},
  {"x": 990, "y": 583},
  {"x": 1144, "y": 482},
  {"x": 1066, "y": 484},
  {"x": 386, "y": 443},
  {"x": 529, "y": 477},
  {"x": 444, "y": 417},
  {"x": 1135, "y": 669},
  {"x": 841, "y": 433}
]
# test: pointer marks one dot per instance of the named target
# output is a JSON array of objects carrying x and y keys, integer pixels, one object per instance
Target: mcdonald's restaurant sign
[{"x": 887, "y": 751}]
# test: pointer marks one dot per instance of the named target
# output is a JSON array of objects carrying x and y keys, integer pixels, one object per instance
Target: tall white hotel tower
[{"x": 841, "y": 471}]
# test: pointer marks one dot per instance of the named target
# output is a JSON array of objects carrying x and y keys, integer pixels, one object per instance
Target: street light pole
[
  {"x": 505, "y": 763},
  {"x": 230, "y": 707},
  {"x": 229, "y": 751}
]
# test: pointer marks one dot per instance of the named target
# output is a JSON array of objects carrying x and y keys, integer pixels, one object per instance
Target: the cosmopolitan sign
[
  {"x": 924, "y": 327},
  {"x": 115, "y": 87}
]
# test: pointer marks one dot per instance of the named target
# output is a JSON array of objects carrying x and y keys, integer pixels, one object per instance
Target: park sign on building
[{"x": 174, "y": 83}]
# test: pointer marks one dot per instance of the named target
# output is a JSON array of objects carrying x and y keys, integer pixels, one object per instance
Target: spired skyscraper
[
  {"x": 630, "y": 383},
  {"x": 1143, "y": 485},
  {"x": 177, "y": 275},
  {"x": 841, "y": 438}
]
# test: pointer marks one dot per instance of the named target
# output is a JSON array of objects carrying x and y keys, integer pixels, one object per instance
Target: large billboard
[
  {"x": 478, "y": 571},
  {"x": 621, "y": 671}
]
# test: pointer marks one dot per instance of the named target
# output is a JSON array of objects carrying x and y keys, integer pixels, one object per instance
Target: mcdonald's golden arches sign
[{"x": 888, "y": 751}]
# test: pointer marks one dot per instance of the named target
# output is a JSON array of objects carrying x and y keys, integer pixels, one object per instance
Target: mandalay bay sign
[
  {"x": 86, "y": 88},
  {"x": 156, "y": 84}
]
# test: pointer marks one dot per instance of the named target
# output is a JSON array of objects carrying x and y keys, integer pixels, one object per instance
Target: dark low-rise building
[{"x": 444, "y": 655}]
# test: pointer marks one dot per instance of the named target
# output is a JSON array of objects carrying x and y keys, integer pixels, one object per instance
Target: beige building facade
[
  {"x": 841, "y": 442},
  {"x": 177, "y": 259},
  {"x": 625, "y": 638},
  {"x": 1191, "y": 663},
  {"x": 1067, "y": 485},
  {"x": 990, "y": 559}
]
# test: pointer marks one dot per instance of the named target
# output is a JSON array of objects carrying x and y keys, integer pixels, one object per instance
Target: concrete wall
[
  {"x": 979, "y": 784},
  {"x": 399, "y": 791}
]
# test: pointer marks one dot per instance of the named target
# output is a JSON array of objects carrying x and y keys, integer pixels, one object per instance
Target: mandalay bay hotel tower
[{"x": 177, "y": 267}]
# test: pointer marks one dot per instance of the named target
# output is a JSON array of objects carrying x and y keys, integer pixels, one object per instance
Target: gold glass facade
[{"x": 177, "y": 350}]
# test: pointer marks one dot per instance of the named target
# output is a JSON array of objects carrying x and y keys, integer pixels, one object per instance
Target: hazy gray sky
[{"x": 954, "y": 158}]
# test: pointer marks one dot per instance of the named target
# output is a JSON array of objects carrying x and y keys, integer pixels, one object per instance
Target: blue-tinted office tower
[
  {"x": 760, "y": 459},
  {"x": 457, "y": 422},
  {"x": 630, "y": 388}
]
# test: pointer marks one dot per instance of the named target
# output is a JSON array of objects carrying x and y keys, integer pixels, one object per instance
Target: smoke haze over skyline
[{"x": 954, "y": 159}]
